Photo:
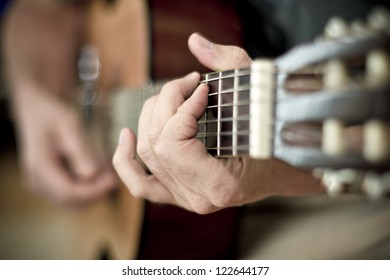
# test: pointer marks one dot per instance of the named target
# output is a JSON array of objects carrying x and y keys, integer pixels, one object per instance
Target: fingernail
[
  {"x": 203, "y": 42},
  {"x": 123, "y": 136}
]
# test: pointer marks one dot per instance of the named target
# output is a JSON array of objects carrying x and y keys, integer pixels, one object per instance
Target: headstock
[{"x": 332, "y": 107}]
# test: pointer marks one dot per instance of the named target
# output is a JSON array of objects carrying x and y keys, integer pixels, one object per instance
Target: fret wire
[
  {"x": 219, "y": 114},
  {"x": 206, "y": 116},
  {"x": 235, "y": 112}
]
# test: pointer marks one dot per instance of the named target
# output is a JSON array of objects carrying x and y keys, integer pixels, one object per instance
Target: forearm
[{"x": 276, "y": 178}]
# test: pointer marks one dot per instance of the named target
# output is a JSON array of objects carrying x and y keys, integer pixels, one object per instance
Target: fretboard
[{"x": 224, "y": 127}]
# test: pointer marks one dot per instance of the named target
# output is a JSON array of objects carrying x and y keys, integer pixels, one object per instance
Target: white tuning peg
[
  {"x": 376, "y": 141},
  {"x": 333, "y": 137},
  {"x": 336, "y": 28},
  {"x": 378, "y": 68},
  {"x": 379, "y": 19},
  {"x": 336, "y": 74}
]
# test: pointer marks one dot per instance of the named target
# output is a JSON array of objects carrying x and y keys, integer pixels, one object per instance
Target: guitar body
[{"x": 134, "y": 46}]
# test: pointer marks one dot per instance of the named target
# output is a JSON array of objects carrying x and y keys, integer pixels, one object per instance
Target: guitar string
[
  {"x": 130, "y": 99},
  {"x": 145, "y": 94}
]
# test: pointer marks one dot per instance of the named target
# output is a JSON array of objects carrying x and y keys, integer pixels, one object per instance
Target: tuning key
[
  {"x": 333, "y": 137},
  {"x": 341, "y": 181},
  {"x": 376, "y": 141},
  {"x": 336, "y": 28},
  {"x": 336, "y": 74}
]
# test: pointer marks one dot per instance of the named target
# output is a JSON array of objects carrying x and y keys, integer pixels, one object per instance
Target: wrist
[{"x": 276, "y": 178}]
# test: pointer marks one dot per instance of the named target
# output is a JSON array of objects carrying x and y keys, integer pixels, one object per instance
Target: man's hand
[{"x": 183, "y": 172}]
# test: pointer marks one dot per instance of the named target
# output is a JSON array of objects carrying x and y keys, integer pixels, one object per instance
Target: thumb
[{"x": 217, "y": 57}]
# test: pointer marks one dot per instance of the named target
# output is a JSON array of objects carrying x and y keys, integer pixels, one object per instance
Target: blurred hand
[
  {"x": 41, "y": 43},
  {"x": 56, "y": 153},
  {"x": 183, "y": 172}
]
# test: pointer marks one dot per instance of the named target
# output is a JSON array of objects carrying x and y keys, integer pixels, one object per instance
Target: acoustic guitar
[{"x": 322, "y": 106}]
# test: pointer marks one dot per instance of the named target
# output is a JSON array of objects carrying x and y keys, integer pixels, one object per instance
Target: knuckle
[{"x": 239, "y": 55}]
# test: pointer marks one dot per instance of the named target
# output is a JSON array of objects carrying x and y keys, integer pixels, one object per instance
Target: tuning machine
[
  {"x": 335, "y": 77},
  {"x": 352, "y": 181},
  {"x": 377, "y": 21}
]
